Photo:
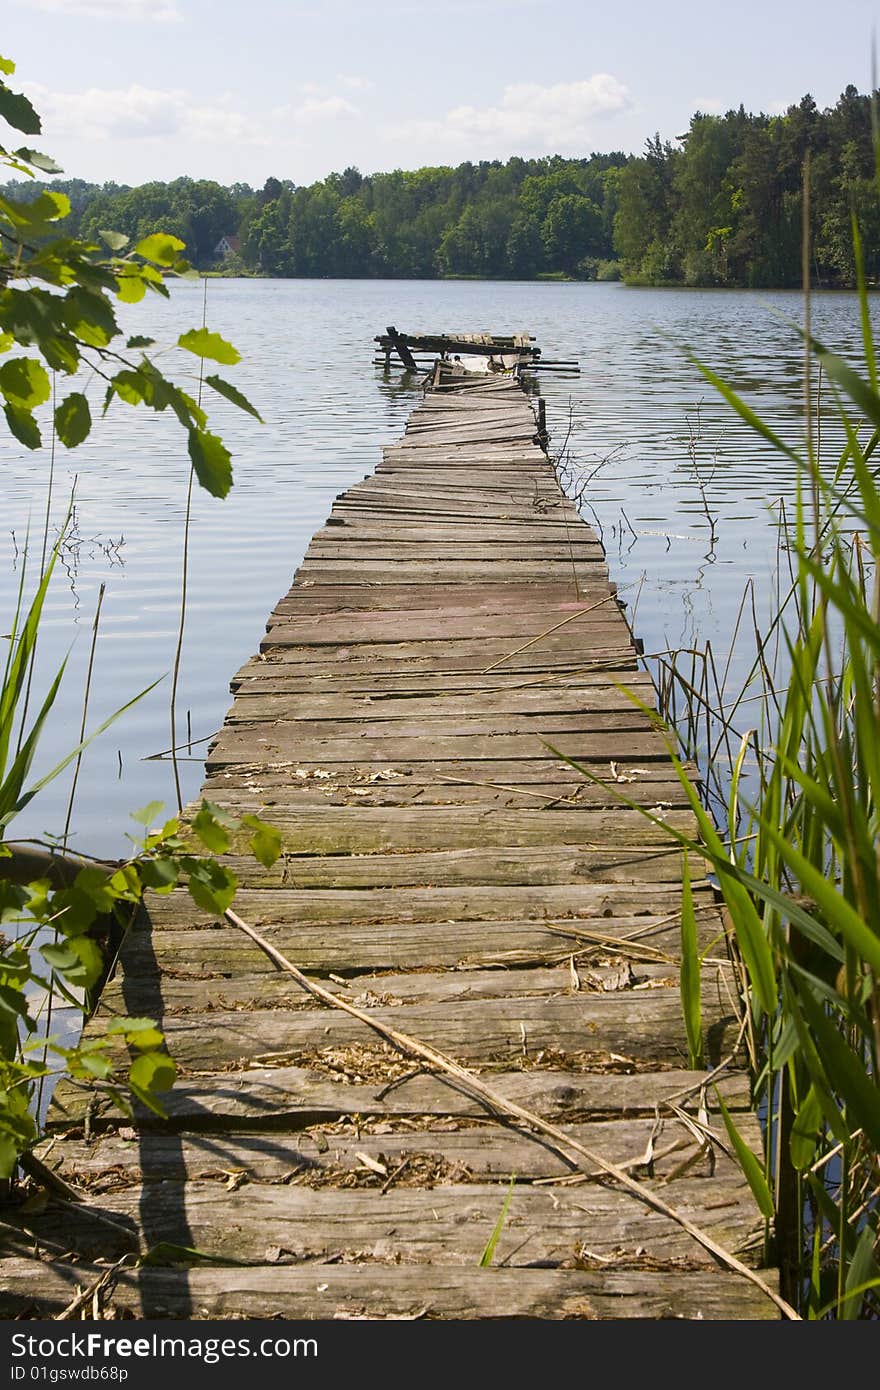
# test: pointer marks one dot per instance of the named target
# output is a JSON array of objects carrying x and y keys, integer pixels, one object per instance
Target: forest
[{"x": 721, "y": 204}]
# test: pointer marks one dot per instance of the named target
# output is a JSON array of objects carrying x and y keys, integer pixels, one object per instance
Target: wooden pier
[{"x": 450, "y": 877}]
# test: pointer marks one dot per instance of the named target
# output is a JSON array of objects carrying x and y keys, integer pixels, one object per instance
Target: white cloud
[
  {"x": 153, "y": 11},
  {"x": 555, "y": 117},
  {"x": 710, "y": 106},
  {"x": 355, "y": 84},
  {"x": 323, "y": 108},
  {"x": 319, "y": 102},
  {"x": 139, "y": 113}
]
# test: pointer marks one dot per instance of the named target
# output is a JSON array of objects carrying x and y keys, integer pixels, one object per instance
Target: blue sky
[{"x": 133, "y": 90}]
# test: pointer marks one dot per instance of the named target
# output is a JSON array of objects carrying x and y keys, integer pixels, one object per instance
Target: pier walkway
[{"x": 449, "y": 876}]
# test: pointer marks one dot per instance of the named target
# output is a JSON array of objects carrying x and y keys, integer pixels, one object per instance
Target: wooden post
[
  {"x": 403, "y": 352},
  {"x": 542, "y": 422}
]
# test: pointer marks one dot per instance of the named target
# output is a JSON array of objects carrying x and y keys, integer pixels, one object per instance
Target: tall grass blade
[
  {"x": 861, "y": 1274},
  {"x": 489, "y": 1250},
  {"x": 751, "y": 1168}
]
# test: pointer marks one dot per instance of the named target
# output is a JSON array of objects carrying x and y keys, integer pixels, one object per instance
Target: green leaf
[
  {"x": 23, "y": 425},
  {"x": 233, "y": 394},
  {"x": 7, "y": 66},
  {"x": 860, "y": 1275},
  {"x": 115, "y": 240},
  {"x": 212, "y": 835},
  {"x": 751, "y": 1168},
  {"x": 90, "y": 316},
  {"x": 36, "y": 215},
  {"x": 78, "y": 959},
  {"x": 161, "y": 249},
  {"x": 855, "y": 386},
  {"x": 93, "y": 1063},
  {"x": 205, "y": 344},
  {"x": 489, "y": 1250},
  {"x": 129, "y": 386},
  {"x": 138, "y": 342},
  {"x": 73, "y": 420},
  {"x": 805, "y": 1131},
  {"x": 130, "y": 288},
  {"x": 17, "y": 111},
  {"x": 146, "y": 815},
  {"x": 846, "y": 1072},
  {"x": 127, "y": 1025},
  {"x": 211, "y": 461},
  {"x": 12, "y": 802},
  {"x": 9, "y": 1153},
  {"x": 220, "y": 815},
  {"x": 25, "y": 382},
  {"x": 146, "y": 1039},
  {"x": 265, "y": 842},
  {"x": 835, "y": 907},
  {"x": 211, "y": 886},
  {"x": 38, "y": 160},
  {"x": 162, "y": 875},
  {"x": 153, "y": 1072}
]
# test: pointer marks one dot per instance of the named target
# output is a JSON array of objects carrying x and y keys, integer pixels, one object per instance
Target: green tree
[
  {"x": 525, "y": 254},
  {"x": 572, "y": 231}
]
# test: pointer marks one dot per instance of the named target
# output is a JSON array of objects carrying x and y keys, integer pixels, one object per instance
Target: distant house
[{"x": 228, "y": 246}]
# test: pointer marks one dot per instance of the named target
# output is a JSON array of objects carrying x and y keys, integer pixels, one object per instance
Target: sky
[{"x": 238, "y": 90}]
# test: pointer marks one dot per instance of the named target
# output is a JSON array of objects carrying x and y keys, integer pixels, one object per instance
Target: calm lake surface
[{"x": 686, "y": 499}]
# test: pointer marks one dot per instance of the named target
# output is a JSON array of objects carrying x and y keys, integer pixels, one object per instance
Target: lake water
[{"x": 685, "y": 497}]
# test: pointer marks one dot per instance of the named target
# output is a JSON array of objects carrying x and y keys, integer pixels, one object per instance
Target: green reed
[{"x": 797, "y": 860}]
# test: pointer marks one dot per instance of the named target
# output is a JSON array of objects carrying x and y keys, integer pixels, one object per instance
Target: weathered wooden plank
[
  {"x": 355, "y": 1083},
  {"x": 407, "y": 597},
  {"x": 500, "y": 532},
  {"x": 485, "y": 457},
  {"x": 511, "y": 432},
  {"x": 531, "y": 491},
  {"x": 377, "y": 1291},
  {"x": 184, "y": 943},
  {"x": 512, "y": 865},
  {"x": 269, "y": 671},
  {"x": 418, "y": 505},
  {"x": 271, "y": 789},
  {"x": 601, "y": 618},
  {"x": 443, "y": 571},
  {"x": 366, "y": 829},
  {"x": 485, "y": 657},
  {"x": 646, "y": 1025},
  {"x": 462, "y": 903},
  {"x": 260, "y": 701},
  {"x": 427, "y": 549},
  {"x": 236, "y": 745},
  {"x": 486, "y": 424},
  {"x": 439, "y": 725},
  {"x": 441, "y": 1149},
  {"x": 521, "y": 784},
  {"x": 447, "y": 1225},
  {"x": 187, "y": 991},
  {"x": 352, "y": 949}
]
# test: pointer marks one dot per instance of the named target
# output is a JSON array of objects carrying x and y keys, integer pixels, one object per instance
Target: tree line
[{"x": 721, "y": 205}]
